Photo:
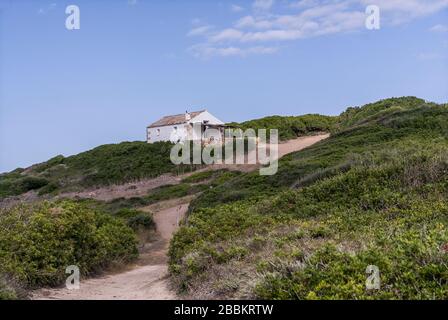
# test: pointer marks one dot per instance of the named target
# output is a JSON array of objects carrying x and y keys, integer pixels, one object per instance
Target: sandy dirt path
[
  {"x": 299, "y": 144},
  {"x": 284, "y": 148},
  {"x": 146, "y": 280}
]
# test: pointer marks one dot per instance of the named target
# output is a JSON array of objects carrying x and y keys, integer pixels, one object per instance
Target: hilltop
[
  {"x": 374, "y": 193},
  {"x": 104, "y": 208},
  {"x": 129, "y": 161}
]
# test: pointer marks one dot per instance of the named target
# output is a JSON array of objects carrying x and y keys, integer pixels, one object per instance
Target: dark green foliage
[
  {"x": 107, "y": 164},
  {"x": 136, "y": 218},
  {"x": 10, "y": 289},
  {"x": 336, "y": 154},
  {"x": 127, "y": 207},
  {"x": 50, "y": 188},
  {"x": 172, "y": 191},
  {"x": 291, "y": 127},
  {"x": 216, "y": 177},
  {"x": 14, "y": 184},
  {"x": 199, "y": 177},
  {"x": 49, "y": 164},
  {"x": 141, "y": 220},
  {"x": 123, "y": 162},
  {"x": 374, "y": 193},
  {"x": 358, "y": 115},
  {"x": 38, "y": 242}
]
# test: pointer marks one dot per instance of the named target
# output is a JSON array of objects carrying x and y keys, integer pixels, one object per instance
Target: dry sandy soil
[
  {"x": 142, "y": 187},
  {"x": 148, "y": 278},
  {"x": 299, "y": 144}
]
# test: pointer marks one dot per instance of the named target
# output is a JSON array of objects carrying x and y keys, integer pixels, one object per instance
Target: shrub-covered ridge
[{"x": 374, "y": 193}]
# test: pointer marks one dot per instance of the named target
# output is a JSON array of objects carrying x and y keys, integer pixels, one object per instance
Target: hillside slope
[
  {"x": 128, "y": 161},
  {"x": 374, "y": 193},
  {"x": 290, "y": 127},
  {"x": 107, "y": 164},
  {"x": 133, "y": 209}
]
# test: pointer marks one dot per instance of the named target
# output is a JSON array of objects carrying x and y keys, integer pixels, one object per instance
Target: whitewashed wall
[
  {"x": 206, "y": 116},
  {"x": 181, "y": 132},
  {"x": 167, "y": 133}
]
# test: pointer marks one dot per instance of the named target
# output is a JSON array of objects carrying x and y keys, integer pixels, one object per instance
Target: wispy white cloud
[
  {"x": 253, "y": 22},
  {"x": 205, "y": 51},
  {"x": 226, "y": 35},
  {"x": 301, "y": 19},
  {"x": 196, "y": 22},
  {"x": 304, "y": 4},
  {"x": 402, "y": 11},
  {"x": 321, "y": 20},
  {"x": 429, "y": 56},
  {"x": 45, "y": 10},
  {"x": 439, "y": 28},
  {"x": 132, "y": 2},
  {"x": 236, "y": 8},
  {"x": 200, "y": 31},
  {"x": 263, "y": 4}
]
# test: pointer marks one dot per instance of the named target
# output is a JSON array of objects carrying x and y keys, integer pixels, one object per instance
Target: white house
[{"x": 188, "y": 126}]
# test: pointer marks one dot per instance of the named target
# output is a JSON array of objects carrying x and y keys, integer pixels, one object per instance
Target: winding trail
[{"x": 147, "y": 278}]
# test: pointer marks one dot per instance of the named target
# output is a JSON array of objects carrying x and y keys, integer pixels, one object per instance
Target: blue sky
[{"x": 133, "y": 61}]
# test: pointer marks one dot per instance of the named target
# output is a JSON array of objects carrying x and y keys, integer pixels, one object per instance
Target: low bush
[
  {"x": 199, "y": 177},
  {"x": 38, "y": 242},
  {"x": 15, "y": 184},
  {"x": 136, "y": 218},
  {"x": 104, "y": 165},
  {"x": 374, "y": 193},
  {"x": 290, "y": 127},
  {"x": 142, "y": 220}
]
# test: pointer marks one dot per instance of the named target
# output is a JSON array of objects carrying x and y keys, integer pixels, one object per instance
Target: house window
[
  {"x": 158, "y": 132},
  {"x": 149, "y": 134},
  {"x": 175, "y": 129}
]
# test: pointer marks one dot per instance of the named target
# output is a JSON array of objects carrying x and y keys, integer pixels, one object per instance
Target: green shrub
[
  {"x": 199, "y": 177},
  {"x": 49, "y": 188},
  {"x": 293, "y": 126},
  {"x": 374, "y": 193},
  {"x": 15, "y": 184},
  {"x": 104, "y": 165},
  {"x": 141, "y": 220},
  {"x": 10, "y": 290},
  {"x": 136, "y": 218},
  {"x": 38, "y": 242}
]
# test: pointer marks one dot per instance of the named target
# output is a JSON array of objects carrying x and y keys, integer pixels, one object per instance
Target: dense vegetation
[
  {"x": 191, "y": 185},
  {"x": 129, "y": 161},
  {"x": 107, "y": 164},
  {"x": 374, "y": 193},
  {"x": 37, "y": 243},
  {"x": 291, "y": 127}
]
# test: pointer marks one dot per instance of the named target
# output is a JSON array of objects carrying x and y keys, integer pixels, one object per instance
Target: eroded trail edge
[{"x": 146, "y": 280}]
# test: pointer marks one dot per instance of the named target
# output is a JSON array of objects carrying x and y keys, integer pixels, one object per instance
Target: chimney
[{"x": 187, "y": 116}]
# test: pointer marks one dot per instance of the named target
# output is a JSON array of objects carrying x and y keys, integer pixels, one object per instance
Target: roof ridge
[
  {"x": 181, "y": 114},
  {"x": 175, "y": 119}
]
